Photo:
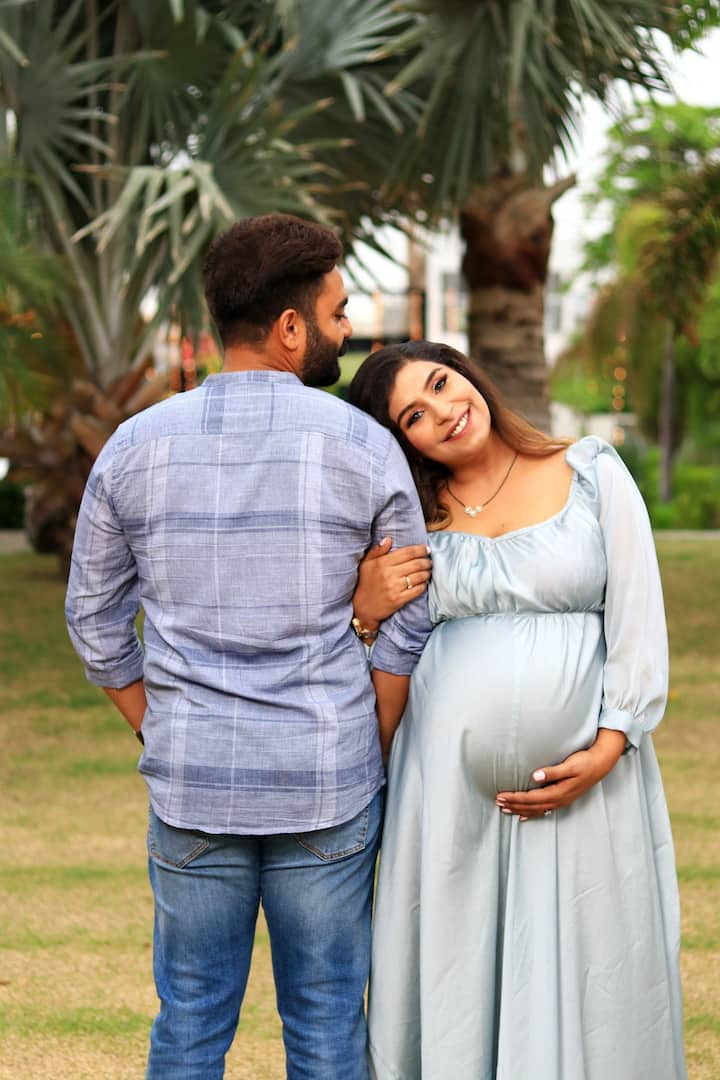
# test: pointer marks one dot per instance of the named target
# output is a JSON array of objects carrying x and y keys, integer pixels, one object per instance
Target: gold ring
[{"x": 409, "y": 582}]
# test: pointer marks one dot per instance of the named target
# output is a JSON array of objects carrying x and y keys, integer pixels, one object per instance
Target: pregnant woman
[{"x": 527, "y": 918}]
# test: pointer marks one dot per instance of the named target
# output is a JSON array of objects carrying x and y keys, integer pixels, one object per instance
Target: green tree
[
  {"x": 662, "y": 182},
  {"x": 501, "y": 84},
  {"x": 147, "y": 126},
  {"x": 31, "y": 366}
]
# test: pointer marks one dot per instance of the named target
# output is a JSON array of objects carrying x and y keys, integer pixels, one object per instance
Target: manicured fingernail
[
  {"x": 500, "y": 799},
  {"x": 524, "y": 819},
  {"x": 383, "y": 541},
  {"x": 538, "y": 775},
  {"x": 427, "y": 549},
  {"x": 504, "y": 810}
]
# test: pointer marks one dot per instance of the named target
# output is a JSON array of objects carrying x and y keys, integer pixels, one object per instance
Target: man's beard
[{"x": 320, "y": 365}]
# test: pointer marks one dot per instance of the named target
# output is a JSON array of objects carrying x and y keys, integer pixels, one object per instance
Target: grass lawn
[{"x": 76, "y": 992}]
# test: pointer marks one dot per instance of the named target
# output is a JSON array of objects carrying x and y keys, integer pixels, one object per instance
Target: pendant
[{"x": 473, "y": 511}]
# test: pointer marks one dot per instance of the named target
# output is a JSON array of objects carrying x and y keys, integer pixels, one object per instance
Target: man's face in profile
[{"x": 328, "y": 330}]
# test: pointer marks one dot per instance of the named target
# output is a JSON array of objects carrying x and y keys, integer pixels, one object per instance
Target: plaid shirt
[{"x": 236, "y": 516}]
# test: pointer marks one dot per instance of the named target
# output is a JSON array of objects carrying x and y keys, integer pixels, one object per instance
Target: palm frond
[{"x": 511, "y": 77}]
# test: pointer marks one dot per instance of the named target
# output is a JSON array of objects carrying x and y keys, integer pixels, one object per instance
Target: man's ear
[{"x": 290, "y": 328}]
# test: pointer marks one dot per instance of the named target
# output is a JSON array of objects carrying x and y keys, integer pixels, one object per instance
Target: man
[{"x": 236, "y": 516}]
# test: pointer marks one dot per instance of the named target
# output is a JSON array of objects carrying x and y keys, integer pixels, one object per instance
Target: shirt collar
[{"x": 256, "y": 375}]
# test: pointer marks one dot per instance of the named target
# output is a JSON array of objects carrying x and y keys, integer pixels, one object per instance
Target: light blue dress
[{"x": 545, "y": 949}]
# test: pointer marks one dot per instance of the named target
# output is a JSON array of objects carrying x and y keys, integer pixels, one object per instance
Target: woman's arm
[
  {"x": 636, "y": 664},
  {"x": 388, "y": 579},
  {"x": 391, "y": 692}
]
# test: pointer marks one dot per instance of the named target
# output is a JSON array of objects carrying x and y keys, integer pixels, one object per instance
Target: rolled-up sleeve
[
  {"x": 402, "y": 637},
  {"x": 102, "y": 601}
]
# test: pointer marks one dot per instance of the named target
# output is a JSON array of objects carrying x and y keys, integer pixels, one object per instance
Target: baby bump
[{"x": 498, "y": 696}]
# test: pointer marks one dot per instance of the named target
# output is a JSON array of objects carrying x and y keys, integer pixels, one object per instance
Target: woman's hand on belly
[{"x": 564, "y": 783}]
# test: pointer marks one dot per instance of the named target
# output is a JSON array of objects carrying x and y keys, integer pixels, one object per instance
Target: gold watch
[{"x": 366, "y": 636}]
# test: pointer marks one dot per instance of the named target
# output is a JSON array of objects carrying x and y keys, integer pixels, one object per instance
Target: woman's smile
[{"x": 461, "y": 426}]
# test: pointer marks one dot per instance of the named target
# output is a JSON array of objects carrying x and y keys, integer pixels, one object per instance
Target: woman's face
[{"x": 439, "y": 412}]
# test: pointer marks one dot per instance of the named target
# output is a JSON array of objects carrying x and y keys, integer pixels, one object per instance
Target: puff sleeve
[{"x": 635, "y": 679}]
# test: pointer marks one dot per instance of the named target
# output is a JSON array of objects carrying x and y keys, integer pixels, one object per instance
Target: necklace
[{"x": 473, "y": 511}]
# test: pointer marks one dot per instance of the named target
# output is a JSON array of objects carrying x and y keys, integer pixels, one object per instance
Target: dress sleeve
[{"x": 635, "y": 678}]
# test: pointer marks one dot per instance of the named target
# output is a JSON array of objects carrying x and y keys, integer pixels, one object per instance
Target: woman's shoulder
[
  {"x": 599, "y": 468},
  {"x": 592, "y": 457},
  {"x": 585, "y": 461},
  {"x": 585, "y": 453}
]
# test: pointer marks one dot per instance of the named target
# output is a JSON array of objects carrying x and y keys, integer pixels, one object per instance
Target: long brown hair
[{"x": 370, "y": 391}]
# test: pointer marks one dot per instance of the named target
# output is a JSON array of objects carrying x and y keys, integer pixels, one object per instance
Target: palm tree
[
  {"x": 501, "y": 84},
  {"x": 146, "y": 127}
]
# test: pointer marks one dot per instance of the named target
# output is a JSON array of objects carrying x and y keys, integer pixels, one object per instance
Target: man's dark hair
[{"x": 260, "y": 267}]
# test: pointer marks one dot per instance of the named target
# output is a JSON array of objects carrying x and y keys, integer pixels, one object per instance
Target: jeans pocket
[
  {"x": 339, "y": 840},
  {"x": 171, "y": 846}
]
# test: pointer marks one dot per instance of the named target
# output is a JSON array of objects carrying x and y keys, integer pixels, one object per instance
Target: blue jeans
[{"x": 316, "y": 891}]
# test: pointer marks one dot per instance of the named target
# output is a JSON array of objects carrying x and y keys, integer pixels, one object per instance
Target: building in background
[
  {"x": 418, "y": 293},
  {"x": 423, "y": 294}
]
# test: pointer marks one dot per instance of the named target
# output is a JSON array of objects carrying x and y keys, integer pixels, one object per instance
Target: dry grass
[
  {"x": 76, "y": 994},
  {"x": 76, "y": 990},
  {"x": 690, "y": 756}
]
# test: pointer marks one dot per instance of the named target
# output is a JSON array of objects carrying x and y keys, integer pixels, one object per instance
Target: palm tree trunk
[
  {"x": 667, "y": 415},
  {"x": 507, "y": 228}
]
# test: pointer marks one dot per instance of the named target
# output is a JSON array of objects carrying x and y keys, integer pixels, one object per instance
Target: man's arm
[
  {"x": 391, "y": 692},
  {"x": 402, "y": 636},
  {"x": 131, "y": 702},
  {"x": 102, "y": 597}
]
